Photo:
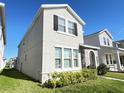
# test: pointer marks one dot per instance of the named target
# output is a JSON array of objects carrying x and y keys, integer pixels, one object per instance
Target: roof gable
[
  {"x": 100, "y": 32},
  {"x": 107, "y": 32},
  {"x": 49, "y": 6},
  {"x": 69, "y": 9}
]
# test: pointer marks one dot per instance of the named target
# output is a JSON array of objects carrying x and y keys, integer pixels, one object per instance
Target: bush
[
  {"x": 89, "y": 74},
  {"x": 102, "y": 69},
  {"x": 66, "y": 78},
  {"x": 50, "y": 83}
]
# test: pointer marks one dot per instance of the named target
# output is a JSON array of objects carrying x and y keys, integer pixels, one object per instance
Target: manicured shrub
[
  {"x": 59, "y": 83},
  {"x": 50, "y": 83},
  {"x": 102, "y": 69},
  {"x": 89, "y": 74},
  {"x": 67, "y": 78}
]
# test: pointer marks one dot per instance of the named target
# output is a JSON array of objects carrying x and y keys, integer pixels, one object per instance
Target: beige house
[
  {"x": 54, "y": 43},
  {"x": 2, "y": 34},
  {"x": 112, "y": 56}
]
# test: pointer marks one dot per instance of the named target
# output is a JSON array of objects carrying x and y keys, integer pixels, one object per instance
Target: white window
[
  {"x": 104, "y": 39},
  {"x": 61, "y": 24},
  {"x": 71, "y": 28},
  {"x": 58, "y": 57},
  {"x": 67, "y": 58},
  {"x": 75, "y": 58},
  {"x": 108, "y": 42}
]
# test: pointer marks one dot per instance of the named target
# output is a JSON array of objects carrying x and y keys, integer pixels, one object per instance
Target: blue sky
[{"x": 97, "y": 14}]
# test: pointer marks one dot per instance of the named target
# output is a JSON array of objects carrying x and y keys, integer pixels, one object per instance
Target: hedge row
[{"x": 66, "y": 78}]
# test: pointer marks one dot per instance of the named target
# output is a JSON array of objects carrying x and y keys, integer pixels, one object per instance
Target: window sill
[
  {"x": 106, "y": 46},
  {"x": 65, "y": 33},
  {"x": 67, "y": 69}
]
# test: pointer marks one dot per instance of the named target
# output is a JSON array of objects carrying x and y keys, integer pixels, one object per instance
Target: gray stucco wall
[
  {"x": 52, "y": 39},
  {"x": 31, "y": 46}
]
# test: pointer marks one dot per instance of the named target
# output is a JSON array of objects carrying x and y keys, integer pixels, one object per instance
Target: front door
[{"x": 92, "y": 59}]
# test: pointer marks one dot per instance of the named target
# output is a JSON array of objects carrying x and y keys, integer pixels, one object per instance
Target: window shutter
[
  {"x": 75, "y": 27},
  {"x": 55, "y": 22}
]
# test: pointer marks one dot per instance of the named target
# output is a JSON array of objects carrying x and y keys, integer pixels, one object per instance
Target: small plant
[{"x": 102, "y": 69}]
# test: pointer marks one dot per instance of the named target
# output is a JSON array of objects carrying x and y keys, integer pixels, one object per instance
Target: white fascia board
[
  {"x": 107, "y": 32},
  {"x": 89, "y": 46}
]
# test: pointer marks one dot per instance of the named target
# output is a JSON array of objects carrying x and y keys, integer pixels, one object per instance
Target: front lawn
[
  {"x": 115, "y": 75},
  {"x": 11, "y": 81}
]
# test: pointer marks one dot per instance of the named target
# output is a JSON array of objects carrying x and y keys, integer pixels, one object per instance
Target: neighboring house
[
  {"x": 2, "y": 34},
  {"x": 108, "y": 54},
  {"x": 11, "y": 62},
  {"x": 54, "y": 43},
  {"x": 120, "y": 45}
]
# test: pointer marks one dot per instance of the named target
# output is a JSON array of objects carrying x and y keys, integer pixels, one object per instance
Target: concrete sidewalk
[{"x": 112, "y": 78}]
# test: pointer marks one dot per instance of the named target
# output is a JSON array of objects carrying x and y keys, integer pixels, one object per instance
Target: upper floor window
[
  {"x": 75, "y": 57},
  {"x": 108, "y": 42},
  {"x": 58, "y": 57},
  {"x": 71, "y": 28},
  {"x": 67, "y": 58},
  {"x": 104, "y": 39},
  {"x": 61, "y": 24}
]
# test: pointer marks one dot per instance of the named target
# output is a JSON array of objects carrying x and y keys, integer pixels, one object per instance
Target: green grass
[
  {"x": 11, "y": 81},
  {"x": 115, "y": 75}
]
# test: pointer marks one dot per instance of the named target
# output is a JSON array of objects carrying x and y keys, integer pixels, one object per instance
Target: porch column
[
  {"x": 83, "y": 63},
  {"x": 117, "y": 58}
]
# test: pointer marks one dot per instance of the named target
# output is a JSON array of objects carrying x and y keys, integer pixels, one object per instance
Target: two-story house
[
  {"x": 54, "y": 43},
  {"x": 2, "y": 34},
  {"x": 108, "y": 54}
]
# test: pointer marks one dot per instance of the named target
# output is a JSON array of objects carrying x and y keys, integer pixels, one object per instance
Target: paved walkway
[{"x": 112, "y": 78}]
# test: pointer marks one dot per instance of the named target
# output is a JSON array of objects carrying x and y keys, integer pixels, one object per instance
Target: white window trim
[
  {"x": 76, "y": 58},
  {"x": 61, "y": 58},
  {"x": 72, "y": 67},
  {"x": 66, "y": 27},
  {"x": 70, "y": 59},
  {"x": 104, "y": 41}
]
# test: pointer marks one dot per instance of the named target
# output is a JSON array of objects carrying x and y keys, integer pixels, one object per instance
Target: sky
[{"x": 97, "y": 14}]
